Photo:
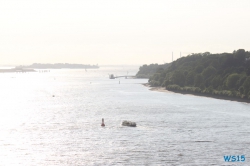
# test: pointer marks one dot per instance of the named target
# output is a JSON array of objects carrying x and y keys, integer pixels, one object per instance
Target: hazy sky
[{"x": 119, "y": 31}]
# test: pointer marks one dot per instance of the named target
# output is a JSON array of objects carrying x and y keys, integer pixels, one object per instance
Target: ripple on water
[{"x": 172, "y": 129}]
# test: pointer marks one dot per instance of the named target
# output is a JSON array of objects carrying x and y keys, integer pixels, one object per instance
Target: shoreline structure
[{"x": 163, "y": 89}]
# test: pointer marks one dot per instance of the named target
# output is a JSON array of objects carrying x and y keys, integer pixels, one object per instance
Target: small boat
[{"x": 128, "y": 123}]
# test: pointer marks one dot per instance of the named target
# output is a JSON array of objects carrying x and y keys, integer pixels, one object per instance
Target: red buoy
[{"x": 102, "y": 123}]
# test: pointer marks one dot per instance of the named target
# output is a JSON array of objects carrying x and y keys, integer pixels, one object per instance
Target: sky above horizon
[{"x": 109, "y": 32}]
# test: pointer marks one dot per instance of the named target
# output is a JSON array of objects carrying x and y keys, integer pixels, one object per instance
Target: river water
[{"x": 172, "y": 129}]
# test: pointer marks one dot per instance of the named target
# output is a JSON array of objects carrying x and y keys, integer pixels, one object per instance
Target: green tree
[
  {"x": 216, "y": 82},
  {"x": 232, "y": 80},
  {"x": 246, "y": 86},
  {"x": 178, "y": 78},
  {"x": 198, "y": 69},
  {"x": 240, "y": 56},
  {"x": 190, "y": 78},
  {"x": 208, "y": 71},
  {"x": 241, "y": 90},
  {"x": 198, "y": 80}
]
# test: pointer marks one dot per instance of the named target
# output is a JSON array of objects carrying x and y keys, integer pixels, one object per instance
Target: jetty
[{"x": 111, "y": 76}]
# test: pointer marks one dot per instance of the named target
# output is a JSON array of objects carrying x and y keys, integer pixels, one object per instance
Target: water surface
[{"x": 172, "y": 129}]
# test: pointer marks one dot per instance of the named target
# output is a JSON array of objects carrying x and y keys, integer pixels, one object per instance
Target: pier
[{"x": 111, "y": 76}]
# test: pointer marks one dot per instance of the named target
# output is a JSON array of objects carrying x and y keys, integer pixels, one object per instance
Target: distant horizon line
[{"x": 105, "y": 65}]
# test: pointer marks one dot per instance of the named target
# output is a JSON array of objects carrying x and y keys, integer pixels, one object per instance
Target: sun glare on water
[{"x": 18, "y": 93}]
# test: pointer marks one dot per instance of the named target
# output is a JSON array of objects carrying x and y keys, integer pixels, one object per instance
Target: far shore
[
  {"x": 163, "y": 89},
  {"x": 16, "y": 70}
]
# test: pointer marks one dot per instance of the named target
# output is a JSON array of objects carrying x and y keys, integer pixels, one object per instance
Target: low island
[
  {"x": 17, "y": 70},
  {"x": 31, "y": 68},
  {"x": 60, "y": 66}
]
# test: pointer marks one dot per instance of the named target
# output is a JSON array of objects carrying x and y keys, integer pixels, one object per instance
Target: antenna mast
[{"x": 172, "y": 57}]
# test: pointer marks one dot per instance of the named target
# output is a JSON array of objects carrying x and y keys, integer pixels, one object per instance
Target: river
[{"x": 54, "y": 118}]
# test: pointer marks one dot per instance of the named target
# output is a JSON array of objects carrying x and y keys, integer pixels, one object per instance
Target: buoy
[{"x": 102, "y": 123}]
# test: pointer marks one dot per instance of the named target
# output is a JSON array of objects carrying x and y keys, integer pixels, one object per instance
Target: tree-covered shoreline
[
  {"x": 220, "y": 75},
  {"x": 146, "y": 71}
]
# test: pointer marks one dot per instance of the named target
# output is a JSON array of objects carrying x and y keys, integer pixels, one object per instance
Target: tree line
[
  {"x": 146, "y": 71},
  {"x": 225, "y": 74}
]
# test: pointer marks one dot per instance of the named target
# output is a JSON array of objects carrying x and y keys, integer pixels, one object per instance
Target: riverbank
[
  {"x": 163, "y": 89},
  {"x": 158, "y": 89}
]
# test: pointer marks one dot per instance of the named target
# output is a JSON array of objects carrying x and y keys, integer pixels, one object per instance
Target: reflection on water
[{"x": 173, "y": 129}]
